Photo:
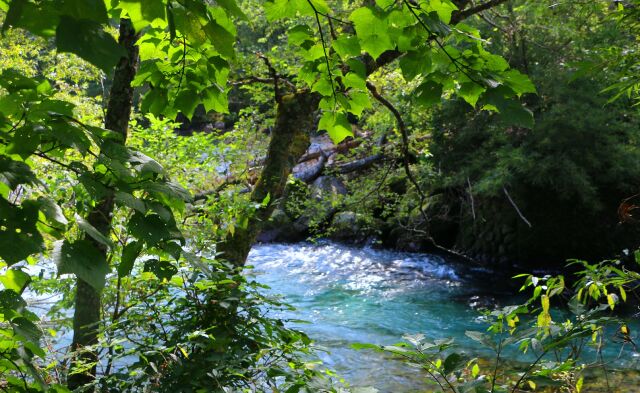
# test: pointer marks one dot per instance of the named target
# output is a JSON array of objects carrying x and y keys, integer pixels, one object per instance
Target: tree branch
[{"x": 463, "y": 14}]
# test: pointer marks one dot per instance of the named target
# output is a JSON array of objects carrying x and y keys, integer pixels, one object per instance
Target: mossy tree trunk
[
  {"x": 289, "y": 141},
  {"x": 86, "y": 317}
]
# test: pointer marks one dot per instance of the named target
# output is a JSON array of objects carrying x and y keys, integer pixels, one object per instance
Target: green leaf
[
  {"x": 185, "y": 103},
  {"x": 14, "y": 81},
  {"x": 429, "y": 93},
  {"x": 93, "y": 232},
  {"x": 481, "y": 338},
  {"x": 164, "y": 270},
  {"x": 360, "y": 346},
  {"x": 84, "y": 260},
  {"x": 94, "y": 10},
  {"x": 502, "y": 98},
  {"x": 14, "y": 14},
  {"x": 25, "y": 141},
  {"x": 88, "y": 40},
  {"x": 215, "y": 99},
  {"x": 232, "y": 8},
  {"x": 11, "y": 303},
  {"x": 519, "y": 82},
  {"x": 385, "y": 3},
  {"x": 299, "y": 35},
  {"x": 40, "y": 19},
  {"x": 222, "y": 39},
  {"x": 27, "y": 329},
  {"x": 52, "y": 211},
  {"x": 150, "y": 228},
  {"x": 358, "y": 102},
  {"x": 15, "y": 280},
  {"x": 337, "y": 126},
  {"x": 13, "y": 173},
  {"x": 19, "y": 236},
  {"x": 444, "y": 9},
  {"x": 415, "y": 63},
  {"x": 129, "y": 254},
  {"x": 347, "y": 47},
  {"x": 372, "y": 31},
  {"x": 143, "y": 12},
  {"x": 471, "y": 92},
  {"x": 452, "y": 363}
]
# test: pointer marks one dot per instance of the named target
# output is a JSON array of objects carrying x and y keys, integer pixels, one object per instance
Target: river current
[{"x": 351, "y": 295}]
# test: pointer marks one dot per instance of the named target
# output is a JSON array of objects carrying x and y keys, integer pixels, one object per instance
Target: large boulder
[
  {"x": 327, "y": 188},
  {"x": 325, "y": 196},
  {"x": 353, "y": 227}
]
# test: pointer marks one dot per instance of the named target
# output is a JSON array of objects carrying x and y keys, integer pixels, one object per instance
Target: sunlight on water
[{"x": 351, "y": 295}]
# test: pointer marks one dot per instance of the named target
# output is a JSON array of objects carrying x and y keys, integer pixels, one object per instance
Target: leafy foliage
[{"x": 189, "y": 320}]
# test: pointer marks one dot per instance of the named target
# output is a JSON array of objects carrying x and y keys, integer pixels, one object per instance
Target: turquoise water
[{"x": 350, "y": 295}]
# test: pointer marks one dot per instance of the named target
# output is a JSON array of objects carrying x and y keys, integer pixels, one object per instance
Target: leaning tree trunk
[
  {"x": 289, "y": 141},
  {"x": 86, "y": 317}
]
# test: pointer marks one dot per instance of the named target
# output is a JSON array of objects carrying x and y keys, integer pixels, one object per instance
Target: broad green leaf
[
  {"x": 129, "y": 254},
  {"x": 148, "y": 228},
  {"x": 185, "y": 102},
  {"x": 415, "y": 63},
  {"x": 232, "y": 8},
  {"x": 337, "y": 126},
  {"x": 84, "y": 260},
  {"x": 358, "y": 102},
  {"x": 215, "y": 99},
  {"x": 14, "y": 81},
  {"x": 360, "y": 346},
  {"x": 19, "y": 236},
  {"x": 15, "y": 280},
  {"x": 88, "y": 40},
  {"x": 164, "y": 270},
  {"x": 94, "y": 10},
  {"x": 428, "y": 93},
  {"x": 481, "y": 338},
  {"x": 52, "y": 211},
  {"x": 347, "y": 46},
  {"x": 519, "y": 82},
  {"x": 222, "y": 39},
  {"x": 444, "y": 9},
  {"x": 452, "y": 363},
  {"x": 471, "y": 92},
  {"x": 300, "y": 34},
  {"x": 39, "y": 19},
  {"x": 16, "y": 8},
  {"x": 130, "y": 201},
  {"x": 93, "y": 232},
  {"x": 25, "y": 141},
  {"x": 503, "y": 99},
  {"x": 13, "y": 173},
  {"x": 385, "y": 3},
  {"x": 143, "y": 12},
  {"x": 27, "y": 329},
  {"x": 11, "y": 303},
  {"x": 372, "y": 31},
  {"x": 145, "y": 164}
]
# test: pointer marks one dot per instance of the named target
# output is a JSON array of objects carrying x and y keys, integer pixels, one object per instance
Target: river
[{"x": 352, "y": 295}]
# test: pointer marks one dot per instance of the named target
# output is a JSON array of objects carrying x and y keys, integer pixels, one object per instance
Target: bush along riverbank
[{"x": 584, "y": 347}]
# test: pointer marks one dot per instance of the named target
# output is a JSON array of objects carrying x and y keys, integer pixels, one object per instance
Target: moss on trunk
[{"x": 289, "y": 141}]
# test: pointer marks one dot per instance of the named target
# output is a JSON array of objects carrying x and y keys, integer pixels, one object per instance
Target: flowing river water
[
  {"x": 347, "y": 295},
  {"x": 351, "y": 295}
]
